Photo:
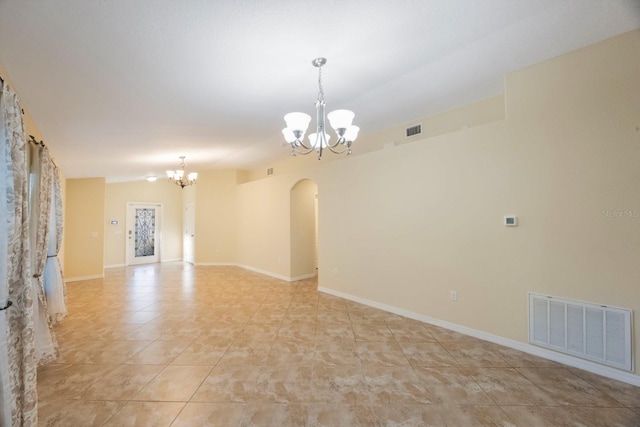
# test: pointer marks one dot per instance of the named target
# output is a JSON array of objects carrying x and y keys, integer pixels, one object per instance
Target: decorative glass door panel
[{"x": 143, "y": 233}]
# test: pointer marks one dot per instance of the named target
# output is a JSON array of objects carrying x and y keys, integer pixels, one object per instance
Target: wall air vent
[
  {"x": 592, "y": 331},
  {"x": 413, "y": 131}
]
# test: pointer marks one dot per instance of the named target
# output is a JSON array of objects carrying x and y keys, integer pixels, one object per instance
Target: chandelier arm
[
  {"x": 305, "y": 146},
  {"x": 304, "y": 151},
  {"x": 335, "y": 144},
  {"x": 346, "y": 148}
]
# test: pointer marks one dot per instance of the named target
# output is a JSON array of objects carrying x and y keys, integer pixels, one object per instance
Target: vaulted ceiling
[{"x": 121, "y": 88}]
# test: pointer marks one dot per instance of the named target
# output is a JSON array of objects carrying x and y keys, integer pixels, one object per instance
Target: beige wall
[
  {"x": 84, "y": 228},
  {"x": 404, "y": 226},
  {"x": 215, "y": 203},
  {"x": 428, "y": 215},
  {"x": 303, "y": 228},
  {"x": 161, "y": 191}
]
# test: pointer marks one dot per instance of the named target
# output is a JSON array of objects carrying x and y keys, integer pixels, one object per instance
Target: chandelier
[
  {"x": 178, "y": 176},
  {"x": 340, "y": 120}
]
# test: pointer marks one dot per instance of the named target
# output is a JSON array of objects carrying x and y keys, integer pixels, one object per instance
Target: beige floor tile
[
  {"x": 283, "y": 384},
  {"x": 229, "y": 384},
  {"x": 291, "y": 353},
  {"x": 297, "y": 330},
  {"x": 409, "y": 415},
  {"x": 443, "y": 335},
  {"x": 372, "y": 332},
  {"x": 147, "y": 332},
  {"x": 474, "y": 415},
  {"x": 334, "y": 415},
  {"x": 68, "y": 413},
  {"x": 143, "y": 414},
  {"x": 159, "y": 352},
  {"x": 225, "y": 346},
  {"x": 333, "y": 329},
  {"x": 210, "y": 415},
  {"x": 393, "y": 385},
  {"x": 611, "y": 417},
  {"x": 334, "y": 351},
  {"x": 222, "y": 329},
  {"x": 508, "y": 387},
  {"x": 383, "y": 353},
  {"x": 333, "y": 315},
  {"x": 413, "y": 331},
  {"x": 138, "y": 317},
  {"x": 451, "y": 385},
  {"x": 57, "y": 382},
  {"x": 475, "y": 354},
  {"x": 564, "y": 416},
  {"x": 122, "y": 383},
  {"x": 203, "y": 351},
  {"x": 427, "y": 354},
  {"x": 174, "y": 383},
  {"x": 519, "y": 359},
  {"x": 567, "y": 388},
  {"x": 244, "y": 353},
  {"x": 339, "y": 384},
  {"x": 260, "y": 331},
  {"x": 624, "y": 393},
  {"x": 101, "y": 352},
  {"x": 281, "y": 415}
]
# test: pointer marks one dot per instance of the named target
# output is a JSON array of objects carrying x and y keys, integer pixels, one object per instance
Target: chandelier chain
[{"x": 321, "y": 89}]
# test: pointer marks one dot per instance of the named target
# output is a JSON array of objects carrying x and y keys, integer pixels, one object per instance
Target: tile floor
[{"x": 177, "y": 345}]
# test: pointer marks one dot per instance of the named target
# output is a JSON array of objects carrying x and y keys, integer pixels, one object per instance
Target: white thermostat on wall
[{"x": 511, "y": 221}]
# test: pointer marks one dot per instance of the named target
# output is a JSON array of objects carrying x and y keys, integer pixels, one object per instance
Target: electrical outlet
[{"x": 453, "y": 296}]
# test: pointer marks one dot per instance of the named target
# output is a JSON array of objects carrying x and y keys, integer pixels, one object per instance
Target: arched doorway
[{"x": 303, "y": 233}]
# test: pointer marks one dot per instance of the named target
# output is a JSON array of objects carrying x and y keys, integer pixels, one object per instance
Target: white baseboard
[
  {"x": 216, "y": 264},
  {"x": 171, "y": 260},
  {"x": 303, "y": 277},
  {"x": 78, "y": 279},
  {"x": 114, "y": 266},
  {"x": 258, "y": 270},
  {"x": 605, "y": 371},
  {"x": 266, "y": 273}
]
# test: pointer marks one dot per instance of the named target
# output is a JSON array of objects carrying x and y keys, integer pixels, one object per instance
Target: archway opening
[{"x": 304, "y": 229}]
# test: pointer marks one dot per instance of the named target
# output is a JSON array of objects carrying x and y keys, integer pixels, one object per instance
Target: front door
[{"x": 143, "y": 233}]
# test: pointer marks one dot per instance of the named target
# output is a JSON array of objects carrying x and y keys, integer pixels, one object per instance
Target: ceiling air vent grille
[{"x": 413, "y": 131}]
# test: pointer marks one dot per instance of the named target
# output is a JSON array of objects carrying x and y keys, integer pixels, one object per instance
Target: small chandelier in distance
[
  {"x": 340, "y": 120},
  {"x": 178, "y": 176}
]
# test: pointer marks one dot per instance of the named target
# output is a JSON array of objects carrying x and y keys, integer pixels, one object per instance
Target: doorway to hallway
[{"x": 304, "y": 229}]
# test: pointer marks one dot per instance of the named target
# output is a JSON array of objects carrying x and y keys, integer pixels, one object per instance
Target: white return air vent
[
  {"x": 595, "y": 332},
  {"x": 413, "y": 131}
]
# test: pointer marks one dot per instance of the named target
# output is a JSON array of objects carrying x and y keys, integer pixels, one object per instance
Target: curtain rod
[{"x": 32, "y": 139}]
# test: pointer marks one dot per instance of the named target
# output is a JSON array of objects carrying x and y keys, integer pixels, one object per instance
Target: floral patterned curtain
[
  {"x": 18, "y": 365},
  {"x": 40, "y": 205},
  {"x": 54, "y": 286}
]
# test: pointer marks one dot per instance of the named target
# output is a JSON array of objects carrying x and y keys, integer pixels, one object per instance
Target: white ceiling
[{"x": 121, "y": 88}]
